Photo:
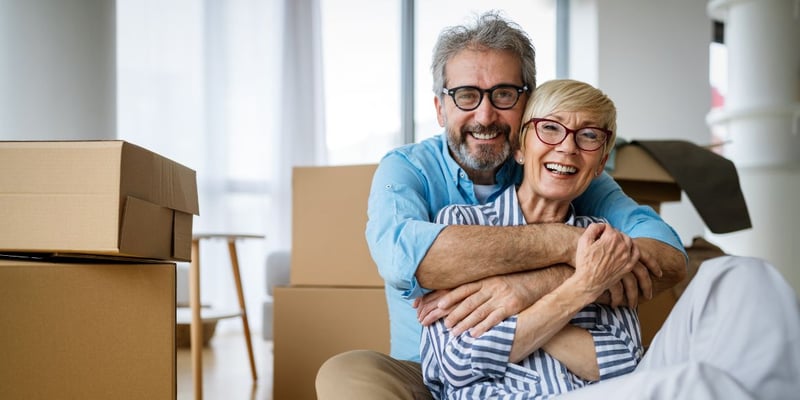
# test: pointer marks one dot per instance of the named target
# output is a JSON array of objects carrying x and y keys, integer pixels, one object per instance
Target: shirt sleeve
[
  {"x": 605, "y": 198},
  {"x": 430, "y": 349},
  {"x": 616, "y": 335},
  {"x": 464, "y": 360},
  {"x": 399, "y": 227}
]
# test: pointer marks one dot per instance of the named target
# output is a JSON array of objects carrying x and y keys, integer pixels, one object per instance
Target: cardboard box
[
  {"x": 87, "y": 331},
  {"x": 329, "y": 217},
  {"x": 643, "y": 179},
  {"x": 314, "y": 324},
  {"x": 646, "y": 181},
  {"x": 95, "y": 197}
]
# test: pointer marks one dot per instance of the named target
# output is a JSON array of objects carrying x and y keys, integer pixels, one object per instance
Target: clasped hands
[{"x": 607, "y": 258}]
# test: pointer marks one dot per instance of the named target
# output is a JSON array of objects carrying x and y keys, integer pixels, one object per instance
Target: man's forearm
[
  {"x": 671, "y": 261},
  {"x": 462, "y": 253}
]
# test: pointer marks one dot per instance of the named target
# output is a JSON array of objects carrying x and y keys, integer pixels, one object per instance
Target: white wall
[
  {"x": 652, "y": 58},
  {"x": 57, "y": 78}
]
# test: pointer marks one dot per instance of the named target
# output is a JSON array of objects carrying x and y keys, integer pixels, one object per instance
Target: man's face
[{"x": 479, "y": 139}]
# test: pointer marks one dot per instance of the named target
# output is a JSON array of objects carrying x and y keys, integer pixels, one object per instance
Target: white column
[
  {"x": 57, "y": 69},
  {"x": 762, "y": 119}
]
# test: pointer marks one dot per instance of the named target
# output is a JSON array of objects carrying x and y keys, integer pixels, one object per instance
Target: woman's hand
[{"x": 604, "y": 257}]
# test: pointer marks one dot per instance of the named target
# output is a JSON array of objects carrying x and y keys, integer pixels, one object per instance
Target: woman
[{"x": 564, "y": 341}]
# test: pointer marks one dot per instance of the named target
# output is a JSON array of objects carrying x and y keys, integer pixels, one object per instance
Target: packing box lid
[
  {"x": 642, "y": 177},
  {"x": 95, "y": 197}
]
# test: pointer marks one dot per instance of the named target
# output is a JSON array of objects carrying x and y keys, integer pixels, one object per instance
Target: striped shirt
[{"x": 464, "y": 367}]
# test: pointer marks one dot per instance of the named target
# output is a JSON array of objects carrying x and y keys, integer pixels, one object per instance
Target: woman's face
[{"x": 563, "y": 171}]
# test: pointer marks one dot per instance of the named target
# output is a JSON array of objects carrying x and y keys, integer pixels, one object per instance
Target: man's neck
[{"x": 481, "y": 177}]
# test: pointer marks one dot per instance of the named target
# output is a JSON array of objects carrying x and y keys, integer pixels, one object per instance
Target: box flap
[
  {"x": 146, "y": 229},
  {"x": 642, "y": 177},
  {"x": 182, "y": 236},
  {"x": 159, "y": 180},
  {"x": 633, "y": 163}
]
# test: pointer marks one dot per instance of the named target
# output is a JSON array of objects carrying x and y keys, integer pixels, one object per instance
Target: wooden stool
[{"x": 194, "y": 302}]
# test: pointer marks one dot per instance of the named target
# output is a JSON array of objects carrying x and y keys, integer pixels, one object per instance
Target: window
[
  {"x": 536, "y": 17},
  {"x": 361, "y": 66},
  {"x": 361, "y": 74},
  {"x": 201, "y": 83}
]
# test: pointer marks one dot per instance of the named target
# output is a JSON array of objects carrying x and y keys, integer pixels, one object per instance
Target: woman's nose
[{"x": 568, "y": 145}]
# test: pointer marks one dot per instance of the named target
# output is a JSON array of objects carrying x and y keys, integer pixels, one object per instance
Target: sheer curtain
[{"x": 231, "y": 90}]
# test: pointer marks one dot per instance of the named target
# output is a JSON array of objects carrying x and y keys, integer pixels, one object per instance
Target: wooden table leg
[
  {"x": 197, "y": 323},
  {"x": 238, "y": 280}
]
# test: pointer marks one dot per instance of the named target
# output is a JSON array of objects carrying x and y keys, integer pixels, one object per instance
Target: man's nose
[{"x": 485, "y": 114}]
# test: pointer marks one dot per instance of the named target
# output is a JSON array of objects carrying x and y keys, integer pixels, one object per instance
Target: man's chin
[{"x": 484, "y": 162}]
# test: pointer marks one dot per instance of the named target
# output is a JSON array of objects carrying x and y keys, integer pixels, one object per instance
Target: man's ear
[{"x": 439, "y": 110}]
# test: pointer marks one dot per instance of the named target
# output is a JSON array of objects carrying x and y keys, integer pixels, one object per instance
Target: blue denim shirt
[{"x": 410, "y": 186}]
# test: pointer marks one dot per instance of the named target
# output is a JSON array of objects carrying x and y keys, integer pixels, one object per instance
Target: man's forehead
[{"x": 483, "y": 67}]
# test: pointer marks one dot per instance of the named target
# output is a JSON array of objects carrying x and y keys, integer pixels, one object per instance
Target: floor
[{"x": 226, "y": 369}]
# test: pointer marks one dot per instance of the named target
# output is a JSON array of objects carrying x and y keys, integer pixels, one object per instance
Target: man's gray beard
[{"x": 486, "y": 160}]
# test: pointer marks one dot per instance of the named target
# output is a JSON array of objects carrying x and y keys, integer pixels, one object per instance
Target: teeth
[
  {"x": 484, "y": 136},
  {"x": 562, "y": 169}
]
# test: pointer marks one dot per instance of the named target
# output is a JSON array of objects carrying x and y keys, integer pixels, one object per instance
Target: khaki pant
[{"x": 364, "y": 374}]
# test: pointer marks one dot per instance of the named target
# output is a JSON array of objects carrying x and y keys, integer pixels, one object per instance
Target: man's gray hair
[{"x": 488, "y": 31}]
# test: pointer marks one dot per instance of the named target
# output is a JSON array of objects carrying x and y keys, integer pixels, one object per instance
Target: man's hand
[
  {"x": 478, "y": 306},
  {"x": 666, "y": 264},
  {"x": 637, "y": 284},
  {"x": 660, "y": 267}
]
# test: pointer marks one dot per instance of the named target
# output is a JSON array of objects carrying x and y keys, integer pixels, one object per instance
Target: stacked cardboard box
[
  {"x": 87, "y": 282},
  {"x": 334, "y": 284},
  {"x": 647, "y": 182}
]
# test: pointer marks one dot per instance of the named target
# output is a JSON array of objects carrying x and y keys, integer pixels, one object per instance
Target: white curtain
[
  {"x": 300, "y": 137},
  {"x": 231, "y": 89}
]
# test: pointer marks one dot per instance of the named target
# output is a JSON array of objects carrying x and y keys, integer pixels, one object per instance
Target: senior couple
[{"x": 513, "y": 264}]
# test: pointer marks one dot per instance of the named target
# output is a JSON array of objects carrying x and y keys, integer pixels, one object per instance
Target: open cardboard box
[
  {"x": 107, "y": 198},
  {"x": 87, "y": 330},
  {"x": 643, "y": 179}
]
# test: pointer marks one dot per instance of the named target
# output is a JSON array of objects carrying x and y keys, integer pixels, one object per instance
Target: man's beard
[{"x": 487, "y": 157}]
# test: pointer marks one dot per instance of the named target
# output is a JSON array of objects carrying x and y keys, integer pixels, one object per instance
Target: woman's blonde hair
[{"x": 567, "y": 95}]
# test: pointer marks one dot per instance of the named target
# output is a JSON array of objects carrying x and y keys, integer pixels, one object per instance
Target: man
[{"x": 483, "y": 75}]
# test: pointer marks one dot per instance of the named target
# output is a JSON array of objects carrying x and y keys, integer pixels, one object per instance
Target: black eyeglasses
[
  {"x": 589, "y": 138},
  {"x": 502, "y": 97}
]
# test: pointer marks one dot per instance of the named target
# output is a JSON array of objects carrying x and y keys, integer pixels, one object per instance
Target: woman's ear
[{"x": 519, "y": 156}]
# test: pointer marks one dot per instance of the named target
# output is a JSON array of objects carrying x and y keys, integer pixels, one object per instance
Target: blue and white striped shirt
[{"x": 464, "y": 367}]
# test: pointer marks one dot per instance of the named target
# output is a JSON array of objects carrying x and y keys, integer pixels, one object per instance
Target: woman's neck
[{"x": 541, "y": 210}]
